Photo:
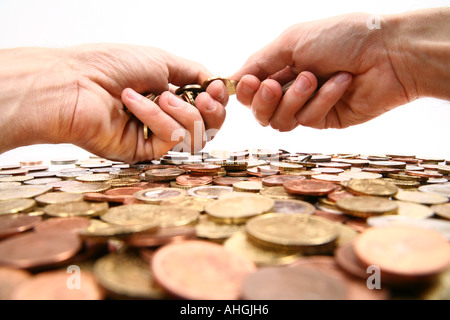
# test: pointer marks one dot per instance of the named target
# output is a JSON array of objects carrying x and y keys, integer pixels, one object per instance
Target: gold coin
[
  {"x": 173, "y": 216},
  {"x": 420, "y": 197},
  {"x": 16, "y": 206},
  {"x": 238, "y": 208},
  {"x": 413, "y": 210},
  {"x": 239, "y": 243},
  {"x": 156, "y": 195},
  {"x": 58, "y": 197},
  {"x": 442, "y": 210},
  {"x": 291, "y": 232},
  {"x": 139, "y": 214},
  {"x": 20, "y": 192},
  {"x": 279, "y": 193},
  {"x": 208, "y": 229},
  {"x": 105, "y": 231},
  {"x": 229, "y": 84},
  {"x": 366, "y": 206},
  {"x": 126, "y": 275},
  {"x": 403, "y": 184},
  {"x": 132, "y": 214},
  {"x": 86, "y": 187},
  {"x": 196, "y": 203},
  {"x": 248, "y": 186},
  {"x": 6, "y": 185},
  {"x": 123, "y": 182},
  {"x": 76, "y": 209},
  {"x": 372, "y": 187}
]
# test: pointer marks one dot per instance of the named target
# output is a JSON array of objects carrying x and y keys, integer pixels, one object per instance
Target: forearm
[
  {"x": 421, "y": 51},
  {"x": 37, "y": 90}
]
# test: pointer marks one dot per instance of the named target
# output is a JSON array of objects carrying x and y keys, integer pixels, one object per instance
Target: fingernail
[
  {"x": 246, "y": 89},
  {"x": 342, "y": 77},
  {"x": 302, "y": 84},
  {"x": 174, "y": 101},
  {"x": 266, "y": 93},
  {"x": 211, "y": 105},
  {"x": 133, "y": 95}
]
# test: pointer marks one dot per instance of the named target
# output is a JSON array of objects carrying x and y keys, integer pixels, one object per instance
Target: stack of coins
[{"x": 256, "y": 223}]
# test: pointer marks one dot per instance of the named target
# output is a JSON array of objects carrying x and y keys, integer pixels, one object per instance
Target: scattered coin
[
  {"x": 309, "y": 187},
  {"x": 76, "y": 209},
  {"x": 366, "y": 206},
  {"x": 372, "y": 187},
  {"x": 291, "y": 232},
  {"x": 406, "y": 252},
  {"x": 53, "y": 285},
  {"x": 241, "y": 208},
  {"x": 222, "y": 271},
  {"x": 420, "y": 197},
  {"x": 32, "y": 250},
  {"x": 126, "y": 275}
]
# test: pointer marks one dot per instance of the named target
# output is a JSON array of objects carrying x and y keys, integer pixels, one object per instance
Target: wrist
[
  {"x": 419, "y": 47},
  {"x": 38, "y": 92}
]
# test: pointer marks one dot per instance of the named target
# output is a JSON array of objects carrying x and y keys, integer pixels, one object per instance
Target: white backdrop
[{"x": 221, "y": 35}]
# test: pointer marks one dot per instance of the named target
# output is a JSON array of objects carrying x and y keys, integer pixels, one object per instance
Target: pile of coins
[{"x": 227, "y": 225}]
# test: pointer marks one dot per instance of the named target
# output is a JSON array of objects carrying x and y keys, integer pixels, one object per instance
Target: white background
[{"x": 221, "y": 35}]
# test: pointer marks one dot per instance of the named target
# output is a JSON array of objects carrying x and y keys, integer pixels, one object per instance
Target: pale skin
[
  {"x": 364, "y": 72},
  {"x": 80, "y": 95}
]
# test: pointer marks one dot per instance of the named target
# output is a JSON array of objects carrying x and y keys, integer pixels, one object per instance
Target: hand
[
  {"x": 363, "y": 72},
  {"x": 82, "y": 92}
]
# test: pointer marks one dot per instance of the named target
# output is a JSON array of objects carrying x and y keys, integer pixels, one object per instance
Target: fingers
[
  {"x": 159, "y": 122},
  {"x": 211, "y": 105},
  {"x": 293, "y": 100},
  {"x": 314, "y": 113}
]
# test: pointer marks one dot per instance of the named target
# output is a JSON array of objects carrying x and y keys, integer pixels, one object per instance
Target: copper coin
[
  {"x": 59, "y": 184},
  {"x": 309, "y": 187},
  {"x": 31, "y": 250},
  {"x": 161, "y": 236},
  {"x": 226, "y": 181},
  {"x": 382, "y": 170},
  {"x": 35, "y": 168},
  {"x": 101, "y": 197},
  {"x": 278, "y": 180},
  {"x": 424, "y": 174},
  {"x": 292, "y": 283},
  {"x": 13, "y": 172},
  {"x": 66, "y": 224},
  {"x": 356, "y": 288},
  {"x": 209, "y": 272},
  {"x": 123, "y": 191},
  {"x": 9, "y": 279},
  {"x": 403, "y": 250},
  {"x": 193, "y": 181},
  {"x": 9, "y": 167},
  {"x": 54, "y": 285},
  {"x": 337, "y": 195},
  {"x": 345, "y": 257},
  {"x": 12, "y": 224}
]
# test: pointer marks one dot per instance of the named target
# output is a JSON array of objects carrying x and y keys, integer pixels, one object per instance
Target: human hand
[
  {"x": 355, "y": 66},
  {"x": 82, "y": 94}
]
